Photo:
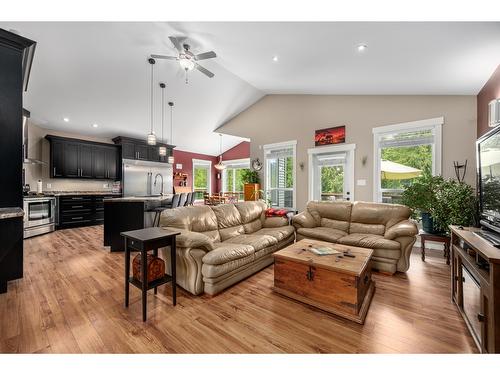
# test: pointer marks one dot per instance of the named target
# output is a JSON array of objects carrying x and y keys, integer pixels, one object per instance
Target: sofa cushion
[
  {"x": 371, "y": 241},
  {"x": 386, "y": 253},
  {"x": 374, "y": 218},
  {"x": 250, "y": 211},
  {"x": 228, "y": 220},
  {"x": 338, "y": 214},
  {"x": 224, "y": 253},
  {"x": 199, "y": 219},
  {"x": 322, "y": 233},
  {"x": 258, "y": 242},
  {"x": 216, "y": 270},
  {"x": 252, "y": 226},
  {"x": 280, "y": 233}
]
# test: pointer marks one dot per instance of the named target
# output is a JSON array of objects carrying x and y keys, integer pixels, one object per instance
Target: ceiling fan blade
[
  {"x": 176, "y": 43},
  {"x": 207, "y": 72},
  {"x": 205, "y": 55},
  {"x": 164, "y": 57}
]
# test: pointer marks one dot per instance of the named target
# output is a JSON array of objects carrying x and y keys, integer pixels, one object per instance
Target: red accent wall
[
  {"x": 240, "y": 151},
  {"x": 186, "y": 159},
  {"x": 490, "y": 91}
]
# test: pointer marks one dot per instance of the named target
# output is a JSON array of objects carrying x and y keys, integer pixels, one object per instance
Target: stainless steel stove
[{"x": 39, "y": 215}]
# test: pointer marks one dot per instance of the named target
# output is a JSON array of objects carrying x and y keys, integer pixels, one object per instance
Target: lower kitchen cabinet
[{"x": 81, "y": 210}]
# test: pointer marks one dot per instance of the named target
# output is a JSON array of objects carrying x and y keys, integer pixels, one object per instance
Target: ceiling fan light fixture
[
  {"x": 186, "y": 63},
  {"x": 362, "y": 47},
  {"x": 220, "y": 166}
]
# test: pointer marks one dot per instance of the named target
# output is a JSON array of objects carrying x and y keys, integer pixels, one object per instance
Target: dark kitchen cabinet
[
  {"x": 16, "y": 54},
  {"x": 128, "y": 150},
  {"x": 57, "y": 149},
  {"x": 99, "y": 162},
  {"x": 73, "y": 158},
  {"x": 70, "y": 158},
  {"x": 138, "y": 149},
  {"x": 111, "y": 162},
  {"x": 81, "y": 210},
  {"x": 86, "y": 156}
]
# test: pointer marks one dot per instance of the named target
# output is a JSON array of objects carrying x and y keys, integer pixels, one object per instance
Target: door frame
[{"x": 348, "y": 148}]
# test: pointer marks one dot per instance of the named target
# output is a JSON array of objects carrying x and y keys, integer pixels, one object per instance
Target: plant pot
[
  {"x": 251, "y": 192},
  {"x": 428, "y": 224}
]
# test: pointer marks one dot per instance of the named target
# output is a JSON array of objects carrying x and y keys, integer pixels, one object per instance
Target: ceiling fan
[{"x": 188, "y": 60}]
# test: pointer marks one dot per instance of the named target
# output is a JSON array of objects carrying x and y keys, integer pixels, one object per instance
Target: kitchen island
[{"x": 129, "y": 213}]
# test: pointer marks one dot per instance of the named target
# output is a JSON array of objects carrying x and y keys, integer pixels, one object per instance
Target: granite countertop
[
  {"x": 11, "y": 212},
  {"x": 141, "y": 199},
  {"x": 60, "y": 193}
]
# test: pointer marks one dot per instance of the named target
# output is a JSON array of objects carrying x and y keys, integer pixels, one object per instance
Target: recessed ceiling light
[
  {"x": 66, "y": 119},
  {"x": 95, "y": 125},
  {"x": 275, "y": 58},
  {"x": 362, "y": 47}
]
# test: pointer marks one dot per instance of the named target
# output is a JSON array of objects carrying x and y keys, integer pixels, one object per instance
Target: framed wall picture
[{"x": 329, "y": 136}]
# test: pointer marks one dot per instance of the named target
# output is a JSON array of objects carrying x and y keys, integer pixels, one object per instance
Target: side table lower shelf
[{"x": 153, "y": 284}]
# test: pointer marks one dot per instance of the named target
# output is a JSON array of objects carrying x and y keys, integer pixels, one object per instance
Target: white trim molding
[
  {"x": 435, "y": 124},
  {"x": 272, "y": 146},
  {"x": 349, "y": 148},
  {"x": 204, "y": 163}
]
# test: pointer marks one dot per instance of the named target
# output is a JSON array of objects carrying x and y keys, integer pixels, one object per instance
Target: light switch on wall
[
  {"x": 178, "y": 166},
  {"x": 361, "y": 183}
]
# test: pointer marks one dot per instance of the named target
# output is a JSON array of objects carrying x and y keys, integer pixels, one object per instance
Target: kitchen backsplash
[{"x": 39, "y": 148}]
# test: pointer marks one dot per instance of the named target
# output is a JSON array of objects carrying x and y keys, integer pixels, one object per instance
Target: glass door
[{"x": 331, "y": 176}]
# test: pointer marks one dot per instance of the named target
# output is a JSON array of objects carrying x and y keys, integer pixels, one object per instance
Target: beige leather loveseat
[
  {"x": 222, "y": 245},
  {"x": 386, "y": 228}
]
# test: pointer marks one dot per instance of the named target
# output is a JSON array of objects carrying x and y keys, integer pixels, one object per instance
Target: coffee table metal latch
[{"x": 310, "y": 274}]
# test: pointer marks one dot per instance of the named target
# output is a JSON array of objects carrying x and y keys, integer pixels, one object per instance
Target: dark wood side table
[
  {"x": 145, "y": 240},
  {"x": 443, "y": 238}
]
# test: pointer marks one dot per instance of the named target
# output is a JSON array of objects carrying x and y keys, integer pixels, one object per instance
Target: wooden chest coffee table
[{"x": 342, "y": 287}]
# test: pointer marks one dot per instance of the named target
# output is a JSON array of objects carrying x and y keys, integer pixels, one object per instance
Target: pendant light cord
[
  {"x": 171, "y": 104},
  {"x": 162, "y": 111},
  {"x": 151, "y": 96}
]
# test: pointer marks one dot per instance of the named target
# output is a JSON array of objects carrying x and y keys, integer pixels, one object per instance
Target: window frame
[
  {"x": 233, "y": 164},
  {"x": 434, "y": 124},
  {"x": 278, "y": 146},
  {"x": 204, "y": 164}
]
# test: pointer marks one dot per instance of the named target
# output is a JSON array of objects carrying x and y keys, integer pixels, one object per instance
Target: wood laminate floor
[{"x": 71, "y": 301}]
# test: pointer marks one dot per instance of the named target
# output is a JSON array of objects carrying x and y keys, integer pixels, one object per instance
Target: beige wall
[
  {"x": 39, "y": 148},
  {"x": 278, "y": 118}
]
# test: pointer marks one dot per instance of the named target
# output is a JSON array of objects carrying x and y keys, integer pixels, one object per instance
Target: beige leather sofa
[
  {"x": 386, "y": 228},
  {"x": 221, "y": 245}
]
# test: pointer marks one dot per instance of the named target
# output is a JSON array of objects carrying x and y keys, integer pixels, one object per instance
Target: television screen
[{"x": 489, "y": 177}]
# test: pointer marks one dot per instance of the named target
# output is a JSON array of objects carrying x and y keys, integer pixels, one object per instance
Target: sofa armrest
[
  {"x": 406, "y": 228},
  {"x": 194, "y": 240},
  {"x": 303, "y": 220},
  {"x": 275, "y": 222}
]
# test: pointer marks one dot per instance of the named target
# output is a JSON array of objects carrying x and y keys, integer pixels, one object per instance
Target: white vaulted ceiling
[{"x": 97, "y": 72}]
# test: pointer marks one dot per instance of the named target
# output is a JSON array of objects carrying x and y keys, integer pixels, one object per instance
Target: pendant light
[
  {"x": 162, "y": 150},
  {"x": 220, "y": 166},
  {"x": 151, "y": 138},
  {"x": 171, "y": 157}
]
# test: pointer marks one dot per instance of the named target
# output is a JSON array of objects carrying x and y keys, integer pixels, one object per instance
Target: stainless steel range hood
[{"x": 26, "y": 158}]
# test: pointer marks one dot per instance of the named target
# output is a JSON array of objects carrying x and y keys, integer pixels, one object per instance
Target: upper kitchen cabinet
[
  {"x": 73, "y": 158},
  {"x": 137, "y": 149}
]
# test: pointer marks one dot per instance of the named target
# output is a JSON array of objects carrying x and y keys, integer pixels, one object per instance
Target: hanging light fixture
[
  {"x": 171, "y": 157},
  {"x": 220, "y": 166},
  {"x": 162, "y": 150},
  {"x": 151, "y": 139}
]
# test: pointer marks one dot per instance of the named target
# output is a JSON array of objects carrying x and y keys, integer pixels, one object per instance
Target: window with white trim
[
  {"x": 233, "y": 176},
  {"x": 402, "y": 153},
  {"x": 202, "y": 177},
  {"x": 280, "y": 179}
]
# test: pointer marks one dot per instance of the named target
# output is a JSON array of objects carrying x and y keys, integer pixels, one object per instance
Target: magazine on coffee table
[{"x": 323, "y": 250}]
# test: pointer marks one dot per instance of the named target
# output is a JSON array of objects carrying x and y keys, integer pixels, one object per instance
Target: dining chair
[
  {"x": 175, "y": 201},
  {"x": 192, "y": 199},
  {"x": 188, "y": 199},
  {"x": 182, "y": 200}
]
